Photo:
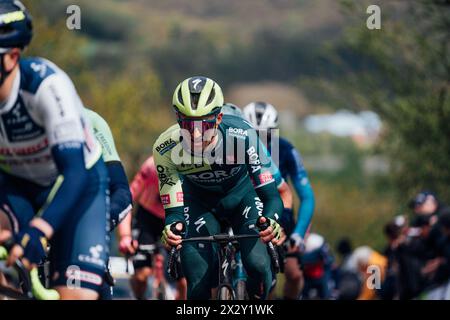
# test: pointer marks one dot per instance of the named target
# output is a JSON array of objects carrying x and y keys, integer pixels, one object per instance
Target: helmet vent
[
  {"x": 195, "y": 97},
  {"x": 211, "y": 97},
  {"x": 180, "y": 97}
]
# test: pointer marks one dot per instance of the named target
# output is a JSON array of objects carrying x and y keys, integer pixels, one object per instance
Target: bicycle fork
[{"x": 226, "y": 271}]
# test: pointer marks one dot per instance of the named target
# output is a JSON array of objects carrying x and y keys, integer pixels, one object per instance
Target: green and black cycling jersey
[{"x": 222, "y": 171}]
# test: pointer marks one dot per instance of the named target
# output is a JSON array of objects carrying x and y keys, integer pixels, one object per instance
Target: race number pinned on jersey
[{"x": 165, "y": 199}]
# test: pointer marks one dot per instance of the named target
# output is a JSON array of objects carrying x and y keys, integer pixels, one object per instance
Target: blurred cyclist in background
[
  {"x": 148, "y": 225},
  {"x": 317, "y": 261},
  {"x": 264, "y": 118}
]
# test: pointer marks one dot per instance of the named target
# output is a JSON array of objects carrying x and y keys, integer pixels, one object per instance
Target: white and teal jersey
[
  {"x": 42, "y": 111},
  {"x": 104, "y": 136}
]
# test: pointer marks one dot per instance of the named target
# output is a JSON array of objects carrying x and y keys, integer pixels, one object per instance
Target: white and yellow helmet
[{"x": 197, "y": 97}]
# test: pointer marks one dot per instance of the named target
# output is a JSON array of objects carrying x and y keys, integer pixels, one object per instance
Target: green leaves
[{"x": 412, "y": 60}]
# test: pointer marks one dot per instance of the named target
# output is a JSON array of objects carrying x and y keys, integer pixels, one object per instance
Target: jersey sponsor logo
[
  {"x": 199, "y": 223},
  {"x": 40, "y": 68},
  {"x": 180, "y": 196},
  {"x": 165, "y": 146},
  {"x": 25, "y": 151},
  {"x": 246, "y": 211},
  {"x": 165, "y": 199},
  {"x": 238, "y": 132},
  {"x": 45, "y": 159},
  {"x": 253, "y": 156},
  {"x": 265, "y": 177},
  {"x": 259, "y": 205},
  {"x": 186, "y": 215},
  {"x": 214, "y": 176},
  {"x": 19, "y": 125},
  {"x": 94, "y": 256},
  {"x": 164, "y": 178},
  {"x": 104, "y": 142}
]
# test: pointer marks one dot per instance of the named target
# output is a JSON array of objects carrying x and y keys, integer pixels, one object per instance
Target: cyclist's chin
[{"x": 201, "y": 144}]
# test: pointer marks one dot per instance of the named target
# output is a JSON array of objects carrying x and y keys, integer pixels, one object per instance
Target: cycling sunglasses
[{"x": 190, "y": 124}]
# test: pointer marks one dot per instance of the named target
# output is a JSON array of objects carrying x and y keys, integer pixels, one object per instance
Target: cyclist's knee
[
  {"x": 66, "y": 293},
  {"x": 142, "y": 274}
]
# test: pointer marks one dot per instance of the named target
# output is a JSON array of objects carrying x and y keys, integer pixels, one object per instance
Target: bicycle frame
[{"x": 227, "y": 242}]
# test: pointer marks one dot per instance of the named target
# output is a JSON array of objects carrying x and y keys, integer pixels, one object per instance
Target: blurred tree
[{"x": 407, "y": 80}]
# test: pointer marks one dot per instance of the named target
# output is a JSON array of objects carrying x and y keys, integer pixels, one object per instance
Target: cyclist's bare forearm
[
  {"x": 286, "y": 195},
  {"x": 124, "y": 228}
]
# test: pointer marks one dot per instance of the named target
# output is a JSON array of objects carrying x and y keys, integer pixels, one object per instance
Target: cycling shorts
[{"x": 79, "y": 250}]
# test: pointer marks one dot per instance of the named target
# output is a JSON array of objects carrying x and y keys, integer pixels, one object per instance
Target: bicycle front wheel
[{"x": 225, "y": 293}]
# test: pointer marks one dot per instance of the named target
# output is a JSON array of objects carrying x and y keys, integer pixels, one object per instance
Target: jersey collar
[{"x": 7, "y": 105}]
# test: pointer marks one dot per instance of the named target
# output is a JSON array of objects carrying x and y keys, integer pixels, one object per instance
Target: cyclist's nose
[{"x": 197, "y": 134}]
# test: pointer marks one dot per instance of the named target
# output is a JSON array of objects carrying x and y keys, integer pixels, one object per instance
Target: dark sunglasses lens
[
  {"x": 190, "y": 125},
  {"x": 208, "y": 125}
]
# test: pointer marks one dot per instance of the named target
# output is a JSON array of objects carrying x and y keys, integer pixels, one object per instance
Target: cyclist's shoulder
[
  {"x": 167, "y": 140},
  {"x": 285, "y": 143},
  {"x": 98, "y": 122},
  {"x": 235, "y": 126},
  {"x": 34, "y": 71}
]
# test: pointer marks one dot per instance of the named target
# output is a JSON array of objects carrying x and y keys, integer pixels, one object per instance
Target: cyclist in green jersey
[
  {"x": 119, "y": 189},
  {"x": 211, "y": 172}
]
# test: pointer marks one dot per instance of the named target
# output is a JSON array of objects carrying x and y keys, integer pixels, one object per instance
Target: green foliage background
[{"x": 129, "y": 55}]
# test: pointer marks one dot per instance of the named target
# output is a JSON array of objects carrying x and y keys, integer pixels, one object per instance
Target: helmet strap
[{"x": 3, "y": 73}]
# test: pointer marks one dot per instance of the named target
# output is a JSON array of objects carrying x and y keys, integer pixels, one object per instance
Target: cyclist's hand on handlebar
[
  {"x": 272, "y": 233},
  {"x": 127, "y": 245},
  {"x": 297, "y": 243},
  {"x": 31, "y": 244},
  {"x": 170, "y": 239}
]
